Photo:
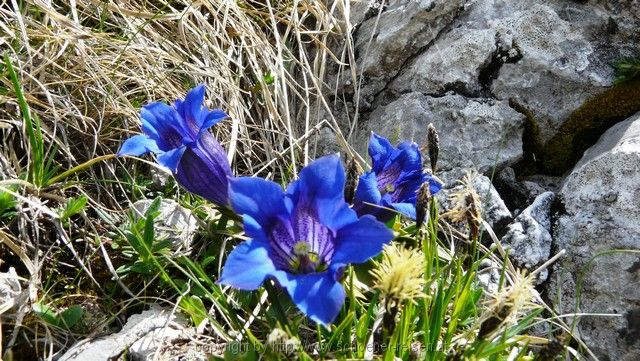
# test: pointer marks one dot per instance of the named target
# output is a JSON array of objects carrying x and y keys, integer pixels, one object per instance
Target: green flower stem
[{"x": 79, "y": 168}]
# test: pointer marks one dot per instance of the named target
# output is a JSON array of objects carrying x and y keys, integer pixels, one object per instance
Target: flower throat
[{"x": 304, "y": 260}]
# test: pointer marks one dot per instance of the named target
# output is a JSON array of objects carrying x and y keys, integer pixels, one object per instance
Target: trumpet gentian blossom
[
  {"x": 303, "y": 237},
  {"x": 392, "y": 183},
  {"x": 179, "y": 136}
]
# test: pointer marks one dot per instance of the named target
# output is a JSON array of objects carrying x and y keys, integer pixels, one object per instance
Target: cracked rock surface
[
  {"x": 402, "y": 30},
  {"x": 466, "y": 66},
  {"x": 474, "y": 133},
  {"x": 532, "y": 52},
  {"x": 529, "y": 236},
  {"x": 601, "y": 218},
  {"x": 140, "y": 337}
]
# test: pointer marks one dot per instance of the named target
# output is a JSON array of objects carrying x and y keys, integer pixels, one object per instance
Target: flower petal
[
  {"x": 359, "y": 241},
  {"x": 368, "y": 196},
  {"x": 247, "y": 266},
  {"x": 253, "y": 229},
  {"x": 434, "y": 185},
  {"x": 138, "y": 145},
  {"x": 318, "y": 295},
  {"x": 258, "y": 198},
  {"x": 191, "y": 108},
  {"x": 320, "y": 186},
  {"x": 212, "y": 118},
  {"x": 163, "y": 124},
  {"x": 408, "y": 209},
  {"x": 379, "y": 150},
  {"x": 213, "y": 151},
  {"x": 409, "y": 157},
  {"x": 407, "y": 190},
  {"x": 367, "y": 190},
  {"x": 171, "y": 158}
]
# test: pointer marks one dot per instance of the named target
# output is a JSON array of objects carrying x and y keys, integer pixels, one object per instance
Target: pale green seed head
[{"x": 399, "y": 275}]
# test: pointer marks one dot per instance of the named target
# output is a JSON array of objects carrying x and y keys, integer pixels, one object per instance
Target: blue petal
[
  {"x": 320, "y": 186},
  {"x": 408, "y": 209},
  {"x": 170, "y": 159},
  {"x": 339, "y": 216},
  {"x": 138, "y": 145},
  {"x": 434, "y": 185},
  {"x": 253, "y": 229},
  {"x": 409, "y": 158},
  {"x": 367, "y": 196},
  {"x": 367, "y": 190},
  {"x": 379, "y": 150},
  {"x": 407, "y": 191},
  {"x": 258, "y": 198},
  {"x": 209, "y": 147},
  {"x": 200, "y": 173},
  {"x": 212, "y": 118},
  {"x": 359, "y": 241},
  {"x": 247, "y": 266},
  {"x": 318, "y": 295},
  {"x": 163, "y": 124},
  {"x": 191, "y": 108},
  {"x": 322, "y": 178}
]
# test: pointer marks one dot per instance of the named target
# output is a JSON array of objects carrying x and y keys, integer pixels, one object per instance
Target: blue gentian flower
[
  {"x": 179, "y": 136},
  {"x": 302, "y": 238},
  {"x": 392, "y": 183}
]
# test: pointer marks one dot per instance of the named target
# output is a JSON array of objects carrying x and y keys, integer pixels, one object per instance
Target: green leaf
[
  {"x": 150, "y": 215},
  {"x": 269, "y": 78},
  {"x": 194, "y": 306},
  {"x": 346, "y": 322},
  {"x": 71, "y": 316},
  {"x": 136, "y": 243},
  {"x": 73, "y": 207},
  {"x": 7, "y": 203},
  {"x": 32, "y": 127},
  {"x": 152, "y": 211},
  {"x": 46, "y": 313}
]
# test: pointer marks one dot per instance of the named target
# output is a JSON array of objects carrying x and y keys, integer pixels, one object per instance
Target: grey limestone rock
[
  {"x": 175, "y": 222},
  {"x": 455, "y": 62},
  {"x": 386, "y": 42},
  {"x": 474, "y": 133},
  {"x": 494, "y": 211},
  {"x": 529, "y": 236},
  {"x": 521, "y": 193},
  {"x": 599, "y": 225},
  {"x": 549, "y": 56},
  {"x": 141, "y": 336},
  {"x": 10, "y": 289}
]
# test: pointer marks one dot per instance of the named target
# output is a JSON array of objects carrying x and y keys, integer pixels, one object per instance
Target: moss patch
[{"x": 585, "y": 125}]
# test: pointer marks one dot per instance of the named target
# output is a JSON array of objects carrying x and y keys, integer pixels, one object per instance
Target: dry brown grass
[{"x": 86, "y": 68}]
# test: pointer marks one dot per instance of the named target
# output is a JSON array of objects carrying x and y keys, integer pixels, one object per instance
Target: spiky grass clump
[
  {"x": 502, "y": 309},
  {"x": 466, "y": 206},
  {"x": 399, "y": 275}
]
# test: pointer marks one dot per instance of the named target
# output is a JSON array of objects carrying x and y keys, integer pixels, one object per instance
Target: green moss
[
  {"x": 627, "y": 69},
  {"x": 585, "y": 125}
]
